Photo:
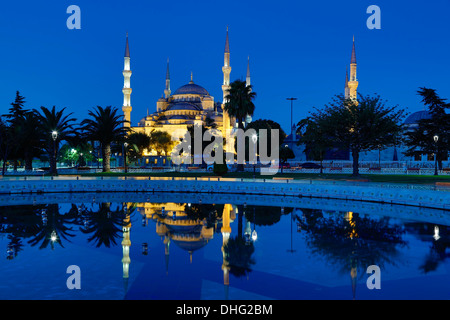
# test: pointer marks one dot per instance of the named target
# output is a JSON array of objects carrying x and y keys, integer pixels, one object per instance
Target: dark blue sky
[{"x": 296, "y": 48}]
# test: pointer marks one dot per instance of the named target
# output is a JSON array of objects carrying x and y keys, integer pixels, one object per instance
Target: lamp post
[
  {"x": 125, "y": 155},
  {"x": 254, "y": 139},
  {"x": 292, "y": 100},
  {"x": 54, "y": 137},
  {"x": 436, "y": 138}
]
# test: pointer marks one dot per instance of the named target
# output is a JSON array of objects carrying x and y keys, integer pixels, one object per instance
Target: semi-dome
[
  {"x": 415, "y": 117},
  {"x": 192, "y": 88}
]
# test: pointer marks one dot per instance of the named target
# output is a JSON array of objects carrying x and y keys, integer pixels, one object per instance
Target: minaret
[
  {"x": 347, "y": 91},
  {"x": 167, "y": 89},
  {"x": 226, "y": 231},
  {"x": 126, "y": 243},
  {"x": 126, "y": 87},
  {"x": 247, "y": 79},
  {"x": 353, "y": 83},
  {"x": 226, "y": 69}
]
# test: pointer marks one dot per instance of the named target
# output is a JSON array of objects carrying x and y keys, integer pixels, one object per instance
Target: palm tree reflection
[
  {"x": 53, "y": 229},
  {"x": 104, "y": 224}
]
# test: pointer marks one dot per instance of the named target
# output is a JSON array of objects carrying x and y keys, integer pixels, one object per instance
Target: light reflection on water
[{"x": 189, "y": 247}]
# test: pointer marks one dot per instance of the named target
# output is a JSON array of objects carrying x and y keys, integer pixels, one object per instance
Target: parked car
[
  {"x": 285, "y": 166},
  {"x": 311, "y": 165}
]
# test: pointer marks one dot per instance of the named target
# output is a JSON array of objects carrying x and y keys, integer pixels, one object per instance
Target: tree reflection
[
  {"x": 439, "y": 236},
  {"x": 351, "y": 242},
  {"x": 209, "y": 213},
  {"x": 265, "y": 215},
  {"x": 104, "y": 224},
  {"x": 53, "y": 229},
  {"x": 237, "y": 251}
]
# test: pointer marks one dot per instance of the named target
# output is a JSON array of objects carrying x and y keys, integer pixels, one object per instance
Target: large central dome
[{"x": 192, "y": 88}]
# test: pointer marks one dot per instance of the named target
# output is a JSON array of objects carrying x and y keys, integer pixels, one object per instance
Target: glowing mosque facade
[{"x": 191, "y": 104}]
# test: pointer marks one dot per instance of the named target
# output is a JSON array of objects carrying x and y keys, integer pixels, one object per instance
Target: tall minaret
[
  {"x": 247, "y": 79},
  {"x": 226, "y": 69},
  {"x": 126, "y": 243},
  {"x": 167, "y": 89},
  {"x": 226, "y": 231},
  {"x": 126, "y": 87},
  {"x": 353, "y": 83}
]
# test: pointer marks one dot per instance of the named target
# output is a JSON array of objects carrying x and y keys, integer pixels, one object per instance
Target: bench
[{"x": 443, "y": 184}]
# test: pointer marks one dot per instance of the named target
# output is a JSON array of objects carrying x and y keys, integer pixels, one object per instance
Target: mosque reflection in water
[{"x": 346, "y": 240}]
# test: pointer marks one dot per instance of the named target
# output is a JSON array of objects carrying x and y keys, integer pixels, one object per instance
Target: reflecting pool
[{"x": 215, "y": 247}]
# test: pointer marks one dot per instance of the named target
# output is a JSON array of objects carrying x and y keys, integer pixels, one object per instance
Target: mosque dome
[
  {"x": 415, "y": 117},
  {"x": 192, "y": 88}
]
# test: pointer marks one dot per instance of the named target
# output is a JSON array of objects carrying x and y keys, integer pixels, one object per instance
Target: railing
[{"x": 425, "y": 187}]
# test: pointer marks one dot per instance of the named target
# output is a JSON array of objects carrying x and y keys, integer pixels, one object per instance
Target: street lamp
[
  {"x": 292, "y": 100},
  {"x": 125, "y": 155},
  {"x": 54, "y": 137},
  {"x": 254, "y": 139},
  {"x": 436, "y": 138}
]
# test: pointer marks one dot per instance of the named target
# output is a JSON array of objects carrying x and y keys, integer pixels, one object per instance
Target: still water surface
[{"x": 231, "y": 247}]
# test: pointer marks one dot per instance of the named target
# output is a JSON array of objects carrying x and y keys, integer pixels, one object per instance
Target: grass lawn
[{"x": 409, "y": 179}]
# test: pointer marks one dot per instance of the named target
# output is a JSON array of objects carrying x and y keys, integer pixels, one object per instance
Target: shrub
[{"x": 220, "y": 169}]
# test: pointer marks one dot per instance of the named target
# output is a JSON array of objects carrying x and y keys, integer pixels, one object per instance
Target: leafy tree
[
  {"x": 362, "y": 126},
  {"x": 285, "y": 154},
  {"x": 161, "y": 141},
  {"x": 137, "y": 143},
  {"x": 268, "y": 125},
  {"x": 315, "y": 142},
  {"x": 420, "y": 140},
  {"x": 105, "y": 125},
  {"x": 6, "y": 143},
  {"x": 239, "y": 104},
  {"x": 30, "y": 138},
  {"x": 50, "y": 121},
  {"x": 15, "y": 115}
]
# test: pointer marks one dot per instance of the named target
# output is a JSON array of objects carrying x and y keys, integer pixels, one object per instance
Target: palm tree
[
  {"x": 239, "y": 104},
  {"x": 105, "y": 126},
  {"x": 50, "y": 122}
]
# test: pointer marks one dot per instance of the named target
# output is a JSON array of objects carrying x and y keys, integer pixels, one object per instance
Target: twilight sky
[{"x": 297, "y": 49}]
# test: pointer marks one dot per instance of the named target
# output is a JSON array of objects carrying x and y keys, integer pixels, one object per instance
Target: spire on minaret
[
  {"x": 247, "y": 80},
  {"x": 227, "y": 43},
  {"x": 167, "y": 71},
  {"x": 167, "y": 89},
  {"x": 353, "y": 59},
  {"x": 127, "y": 48}
]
